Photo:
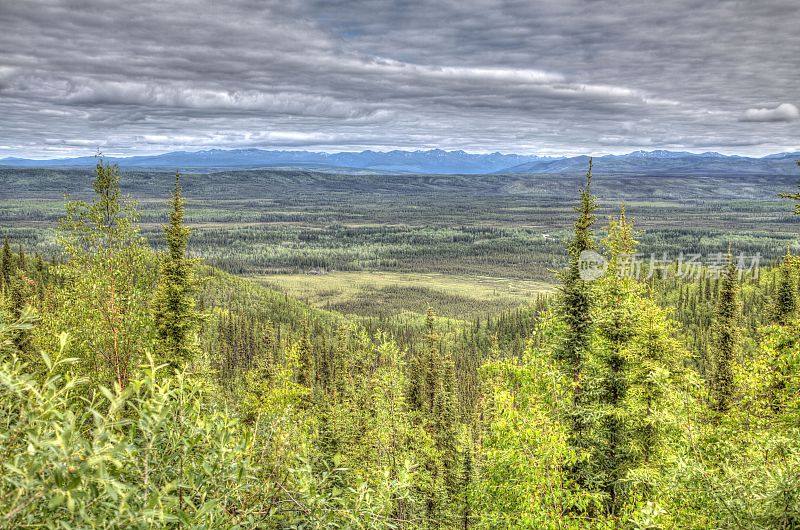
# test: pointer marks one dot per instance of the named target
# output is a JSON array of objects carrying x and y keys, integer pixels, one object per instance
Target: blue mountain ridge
[{"x": 437, "y": 161}]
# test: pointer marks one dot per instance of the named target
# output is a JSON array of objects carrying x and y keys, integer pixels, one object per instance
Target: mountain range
[{"x": 437, "y": 161}]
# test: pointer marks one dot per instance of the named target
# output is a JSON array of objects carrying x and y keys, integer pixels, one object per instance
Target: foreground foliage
[{"x": 141, "y": 389}]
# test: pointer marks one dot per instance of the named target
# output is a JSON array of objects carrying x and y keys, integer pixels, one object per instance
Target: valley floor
[{"x": 389, "y": 293}]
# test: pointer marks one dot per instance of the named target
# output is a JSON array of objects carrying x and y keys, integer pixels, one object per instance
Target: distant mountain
[
  {"x": 667, "y": 163},
  {"x": 432, "y": 161},
  {"x": 437, "y": 161}
]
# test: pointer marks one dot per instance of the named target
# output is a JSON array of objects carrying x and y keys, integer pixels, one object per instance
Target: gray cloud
[
  {"x": 549, "y": 77},
  {"x": 783, "y": 112}
]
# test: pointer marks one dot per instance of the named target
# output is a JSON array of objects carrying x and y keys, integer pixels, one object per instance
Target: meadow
[{"x": 373, "y": 293}]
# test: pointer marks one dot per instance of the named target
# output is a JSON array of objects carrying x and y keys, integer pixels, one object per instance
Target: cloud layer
[
  {"x": 783, "y": 112},
  {"x": 556, "y": 77}
]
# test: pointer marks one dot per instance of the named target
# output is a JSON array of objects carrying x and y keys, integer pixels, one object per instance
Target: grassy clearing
[{"x": 388, "y": 293}]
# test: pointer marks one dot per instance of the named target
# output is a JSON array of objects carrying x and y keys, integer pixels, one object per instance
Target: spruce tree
[
  {"x": 423, "y": 367},
  {"x": 575, "y": 310},
  {"x": 18, "y": 293},
  {"x": 40, "y": 272},
  {"x": 784, "y": 302},
  {"x": 306, "y": 372},
  {"x": 269, "y": 344},
  {"x": 656, "y": 376},
  {"x": 467, "y": 479},
  {"x": 438, "y": 415},
  {"x": 432, "y": 364},
  {"x": 445, "y": 422},
  {"x": 340, "y": 357},
  {"x": 726, "y": 338},
  {"x": 176, "y": 316},
  {"x": 617, "y": 302},
  {"x": 6, "y": 267},
  {"x": 22, "y": 260}
]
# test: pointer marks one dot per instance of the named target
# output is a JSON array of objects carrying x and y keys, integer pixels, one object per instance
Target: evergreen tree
[
  {"x": 22, "y": 260},
  {"x": 19, "y": 293},
  {"x": 467, "y": 478},
  {"x": 389, "y": 430},
  {"x": 175, "y": 311},
  {"x": 784, "y": 298},
  {"x": 432, "y": 366},
  {"x": 7, "y": 265},
  {"x": 655, "y": 404},
  {"x": 575, "y": 310},
  {"x": 438, "y": 415},
  {"x": 445, "y": 423},
  {"x": 306, "y": 372},
  {"x": 727, "y": 338},
  {"x": 341, "y": 353},
  {"x": 616, "y": 320},
  {"x": 424, "y": 367},
  {"x": 269, "y": 344}
]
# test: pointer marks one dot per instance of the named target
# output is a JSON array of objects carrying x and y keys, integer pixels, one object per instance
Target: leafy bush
[
  {"x": 157, "y": 454},
  {"x": 154, "y": 454}
]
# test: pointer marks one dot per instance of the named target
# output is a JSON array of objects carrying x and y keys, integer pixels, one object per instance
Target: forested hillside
[
  {"x": 263, "y": 223},
  {"x": 142, "y": 386}
]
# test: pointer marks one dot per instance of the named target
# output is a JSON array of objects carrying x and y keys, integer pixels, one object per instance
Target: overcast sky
[{"x": 555, "y": 77}]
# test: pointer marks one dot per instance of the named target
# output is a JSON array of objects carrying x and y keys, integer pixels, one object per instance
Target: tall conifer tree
[
  {"x": 726, "y": 338},
  {"x": 176, "y": 317},
  {"x": 575, "y": 310},
  {"x": 22, "y": 260},
  {"x": 438, "y": 414},
  {"x": 785, "y": 303}
]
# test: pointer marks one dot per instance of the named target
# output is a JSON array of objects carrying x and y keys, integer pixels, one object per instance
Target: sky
[{"x": 531, "y": 77}]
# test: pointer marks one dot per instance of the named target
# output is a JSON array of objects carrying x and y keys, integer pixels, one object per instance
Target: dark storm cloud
[{"x": 547, "y": 77}]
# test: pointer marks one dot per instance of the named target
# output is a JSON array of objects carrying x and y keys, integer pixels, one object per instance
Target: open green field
[{"x": 374, "y": 293}]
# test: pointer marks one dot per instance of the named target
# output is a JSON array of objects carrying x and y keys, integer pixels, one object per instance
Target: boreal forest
[{"x": 155, "y": 374}]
